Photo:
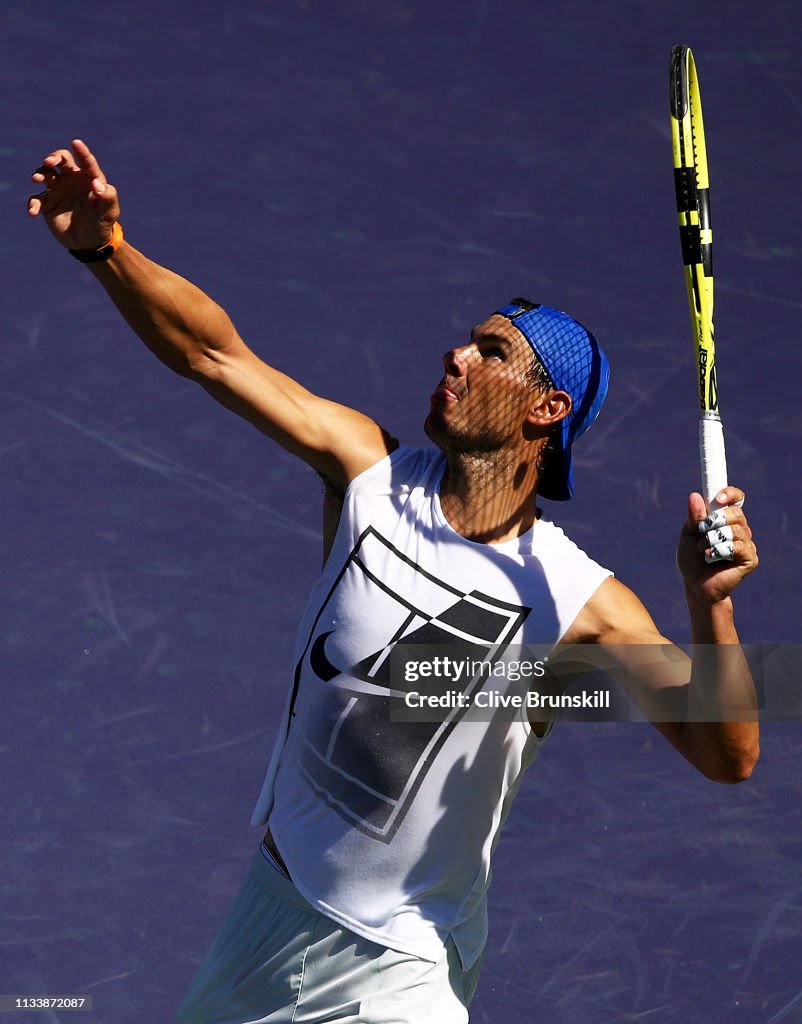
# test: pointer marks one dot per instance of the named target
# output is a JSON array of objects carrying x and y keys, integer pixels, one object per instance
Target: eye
[{"x": 493, "y": 352}]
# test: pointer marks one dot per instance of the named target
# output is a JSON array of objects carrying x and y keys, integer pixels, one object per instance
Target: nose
[{"x": 454, "y": 360}]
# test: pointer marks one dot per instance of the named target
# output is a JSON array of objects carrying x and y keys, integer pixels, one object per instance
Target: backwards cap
[{"x": 575, "y": 363}]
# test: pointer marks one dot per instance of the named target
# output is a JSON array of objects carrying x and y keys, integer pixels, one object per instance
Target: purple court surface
[{"x": 359, "y": 182}]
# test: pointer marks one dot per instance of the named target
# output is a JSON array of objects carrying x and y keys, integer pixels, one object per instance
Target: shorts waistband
[{"x": 264, "y": 874}]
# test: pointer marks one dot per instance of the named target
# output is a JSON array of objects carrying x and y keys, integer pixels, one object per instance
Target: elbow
[
  {"x": 200, "y": 367},
  {"x": 737, "y": 768},
  {"x": 726, "y": 753},
  {"x": 208, "y": 364}
]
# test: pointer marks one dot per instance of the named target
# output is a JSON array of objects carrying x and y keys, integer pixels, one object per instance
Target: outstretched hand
[
  {"x": 78, "y": 204},
  {"x": 716, "y": 550}
]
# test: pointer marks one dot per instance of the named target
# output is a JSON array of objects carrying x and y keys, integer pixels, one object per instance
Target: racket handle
[{"x": 713, "y": 457}]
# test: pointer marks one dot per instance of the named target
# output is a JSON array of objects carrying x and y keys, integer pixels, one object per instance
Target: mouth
[{"x": 443, "y": 393}]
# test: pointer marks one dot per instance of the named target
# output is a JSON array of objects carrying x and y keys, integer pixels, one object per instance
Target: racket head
[{"x": 692, "y": 187}]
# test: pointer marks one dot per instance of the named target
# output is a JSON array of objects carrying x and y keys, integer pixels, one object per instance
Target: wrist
[
  {"x": 698, "y": 599},
  {"x": 711, "y": 621},
  {"x": 103, "y": 252}
]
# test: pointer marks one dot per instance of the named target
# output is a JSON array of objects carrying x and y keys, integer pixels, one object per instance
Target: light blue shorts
[{"x": 278, "y": 960}]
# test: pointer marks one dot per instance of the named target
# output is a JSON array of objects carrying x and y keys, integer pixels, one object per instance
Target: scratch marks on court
[
  {"x": 602, "y": 433},
  {"x": 780, "y": 80},
  {"x": 97, "y": 587},
  {"x": 205, "y": 748},
  {"x": 577, "y": 957},
  {"x": 104, "y": 981},
  {"x": 783, "y": 1013},
  {"x": 766, "y": 931},
  {"x": 760, "y": 296},
  {"x": 13, "y": 446},
  {"x": 125, "y": 716},
  {"x": 132, "y": 451},
  {"x": 510, "y": 936}
]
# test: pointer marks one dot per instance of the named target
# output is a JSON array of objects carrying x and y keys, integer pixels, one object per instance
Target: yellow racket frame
[{"x": 692, "y": 187}]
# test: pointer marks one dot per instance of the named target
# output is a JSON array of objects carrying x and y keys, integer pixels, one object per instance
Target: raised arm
[
  {"x": 706, "y": 707},
  {"x": 192, "y": 334}
]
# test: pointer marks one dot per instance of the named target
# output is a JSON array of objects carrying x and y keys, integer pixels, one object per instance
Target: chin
[
  {"x": 450, "y": 441},
  {"x": 430, "y": 430},
  {"x": 438, "y": 432}
]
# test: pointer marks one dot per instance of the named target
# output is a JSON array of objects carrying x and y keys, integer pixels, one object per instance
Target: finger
[
  {"x": 740, "y": 551},
  {"x": 47, "y": 200},
  {"x": 731, "y": 496},
  {"x": 105, "y": 196},
  {"x": 717, "y": 546},
  {"x": 721, "y": 540},
  {"x": 723, "y": 550},
  {"x": 61, "y": 160},
  {"x": 35, "y": 204},
  {"x": 721, "y": 535},
  {"x": 44, "y": 174},
  {"x": 86, "y": 159},
  {"x": 697, "y": 511},
  {"x": 716, "y": 519},
  {"x": 730, "y": 516},
  {"x": 721, "y": 553}
]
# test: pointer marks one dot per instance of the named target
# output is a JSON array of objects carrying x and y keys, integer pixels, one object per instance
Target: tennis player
[{"x": 367, "y": 898}]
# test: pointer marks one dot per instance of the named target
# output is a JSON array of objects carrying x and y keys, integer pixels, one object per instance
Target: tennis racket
[{"x": 693, "y": 207}]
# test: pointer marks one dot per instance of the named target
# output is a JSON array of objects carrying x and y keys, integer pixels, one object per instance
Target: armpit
[{"x": 332, "y": 509}]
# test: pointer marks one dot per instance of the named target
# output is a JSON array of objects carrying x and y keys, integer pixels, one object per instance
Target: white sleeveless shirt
[{"x": 388, "y": 826}]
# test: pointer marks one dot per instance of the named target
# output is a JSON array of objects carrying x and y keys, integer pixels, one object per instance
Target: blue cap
[{"x": 576, "y": 363}]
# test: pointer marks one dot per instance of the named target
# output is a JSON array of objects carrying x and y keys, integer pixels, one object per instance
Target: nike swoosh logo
[{"x": 318, "y": 661}]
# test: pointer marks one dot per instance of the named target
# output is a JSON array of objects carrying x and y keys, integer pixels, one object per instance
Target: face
[{"x": 483, "y": 398}]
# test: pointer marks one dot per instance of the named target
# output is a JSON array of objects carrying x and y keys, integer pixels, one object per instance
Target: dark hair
[{"x": 537, "y": 377}]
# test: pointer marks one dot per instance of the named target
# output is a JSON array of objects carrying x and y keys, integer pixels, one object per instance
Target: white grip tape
[
  {"x": 721, "y": 553},
  {"x": 713, "y": 457},
  {"x": 716, "y": 520},
  {"x": 720, "y": 535}
]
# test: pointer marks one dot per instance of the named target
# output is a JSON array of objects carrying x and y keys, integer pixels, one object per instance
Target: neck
[{"x": 490, "y": 497}]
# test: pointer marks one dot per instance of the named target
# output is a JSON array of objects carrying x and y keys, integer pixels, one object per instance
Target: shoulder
[
  {"x": 402, "y": 468},
  {"x": 613, "y": 614},
  {"x": 565, "y": 563},
  {"x": 550, "y": 538}
]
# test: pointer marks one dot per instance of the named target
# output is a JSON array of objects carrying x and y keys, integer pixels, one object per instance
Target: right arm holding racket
[
  {"x": 705, "y": 706},
  {"x": 191, "y": 334},
  {"x": 720, "y": 732}
]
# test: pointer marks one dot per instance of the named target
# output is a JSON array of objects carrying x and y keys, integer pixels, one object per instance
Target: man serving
[{"x": 367, "y": 899}]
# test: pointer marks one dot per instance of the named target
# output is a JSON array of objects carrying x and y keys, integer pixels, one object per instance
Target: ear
[{"x": 548, "y": 409}]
